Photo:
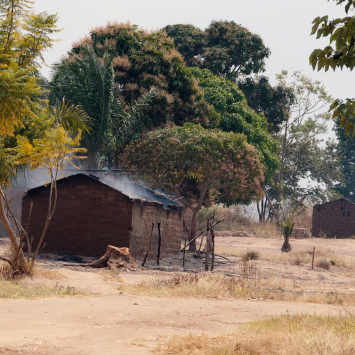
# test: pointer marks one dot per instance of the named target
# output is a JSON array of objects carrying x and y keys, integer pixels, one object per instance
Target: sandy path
[{"x": 112, "y": 325}]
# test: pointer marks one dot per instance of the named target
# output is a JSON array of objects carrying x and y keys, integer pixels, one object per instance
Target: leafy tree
[
  {"x": 190, "y": 41},
  {"x": 227, "y": 49},
  {"x": 88, "y": 80},
  {"x": 141, "y": 61},
  {"x": 346, "y": 151},
  {"x": 31, "y": 133},
  {"x": 339, "y": 53},
  {"x": 302, "y": 155},
  {"x": 235, "y": 115},
  {"x": 222, "y": 166},
  {"x": 270, "y": 101}
]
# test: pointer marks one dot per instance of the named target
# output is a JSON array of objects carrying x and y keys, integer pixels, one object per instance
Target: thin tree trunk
[
  {"x": 50, "y": 212},
  {"x": 282, "y": 163},
  {"x": 192, "y": 246},
  {"x": 12, "y": 235}
]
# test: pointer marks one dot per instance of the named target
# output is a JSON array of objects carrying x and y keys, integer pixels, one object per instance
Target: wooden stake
[
  {"x": 212, "y": 233},
  {"x": 183, "y": 257},
  {"x": 199, "y": 249},
  {"x": 159, "y": 244},
  {"x": 207, "y": 245},
  {"x": 314, "y": 249},
  {"x": 186, "y": 236},
  {"x": 193, "y": 239},
  {"x": 150, "y": 240}
]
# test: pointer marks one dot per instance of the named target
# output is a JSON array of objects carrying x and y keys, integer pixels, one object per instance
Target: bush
[
  {"x": 250, "y": 255},
  {"x": 324, "y": 264}
]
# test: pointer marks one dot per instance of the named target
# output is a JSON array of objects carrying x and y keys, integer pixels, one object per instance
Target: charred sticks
[{"x": 150, "y": 241}]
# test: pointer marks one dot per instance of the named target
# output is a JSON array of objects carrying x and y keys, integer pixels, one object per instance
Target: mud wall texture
[
  {"x": 91, "y": 215},
  {"x": 335, "y": 219},
  {"x": 171, "y": 227},
  {"x": 88, "y": 217}
]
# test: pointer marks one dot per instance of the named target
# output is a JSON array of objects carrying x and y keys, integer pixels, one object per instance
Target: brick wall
[
  {"x": 88, "y": 217},
  {"x": 144, "y": 214},
  {"x": 336, "y": 219}
]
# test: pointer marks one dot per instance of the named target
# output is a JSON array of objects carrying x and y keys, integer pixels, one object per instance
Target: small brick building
[
  {"x": 91, "y": 215},
  {"x": 335, "y": 219}
]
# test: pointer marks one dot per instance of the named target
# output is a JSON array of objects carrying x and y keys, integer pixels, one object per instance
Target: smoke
[{"x": 120, "y": 182}]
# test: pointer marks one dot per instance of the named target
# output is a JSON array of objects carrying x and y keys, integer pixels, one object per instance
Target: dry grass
[
  {"x": 291, "y": 335},
  {"x": 5, "y": 271},
  {"x": 113, "y": 275},
  {"x": 250, "y": 255},
  {"x": 219, "y": 286},
  {"x": 47, "y": 273},
  {"x": 323, "y": 264},
  {"x": 15, "y": 290},
  {"x": 302, "y": 257},
  {"x": 241, "y": 218}
]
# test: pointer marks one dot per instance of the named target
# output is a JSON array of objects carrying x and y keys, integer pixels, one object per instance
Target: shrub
[{"x": 324, "y": 264}]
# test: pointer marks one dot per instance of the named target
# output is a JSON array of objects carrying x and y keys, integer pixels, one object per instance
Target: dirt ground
[{"x": 107, "y": 320}]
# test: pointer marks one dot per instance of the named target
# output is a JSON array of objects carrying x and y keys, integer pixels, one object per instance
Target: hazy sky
[{"x": 284, "y": 25}]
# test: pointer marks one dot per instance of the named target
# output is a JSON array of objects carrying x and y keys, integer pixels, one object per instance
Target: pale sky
[{"x": 284, "y": 25}]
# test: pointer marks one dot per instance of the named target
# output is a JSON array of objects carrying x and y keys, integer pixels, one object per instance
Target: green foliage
[
  {"x": 190, "y": 41},
  {"x": 302, "y": 154},
  {"x": 271, "y": 101},
  {"x": 88, "y": 81},
  {"x": 221, "y": 163},
  {"x": 346, "y": 151},
  {"x": 31, "y": 133},
  {"x": 141, "y": 61},
  {"x": 235, "y": 115},
  {"x": 225, "y": 48},
  {"x": 338, "y": 54}
]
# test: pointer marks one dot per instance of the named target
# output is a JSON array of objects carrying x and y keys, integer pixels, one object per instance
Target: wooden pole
[
  {"x": 199, "y": 249},
  {"x": 193, "y": 239},
  {"x": 150, "y": 240},
  {"x": 159, "y": 244},
  {"x": 212, "y": 233},
  {"x": 207, "y": 245},
  {"x": 183, "y": 257},
  {"x": 314, "y": 249}
]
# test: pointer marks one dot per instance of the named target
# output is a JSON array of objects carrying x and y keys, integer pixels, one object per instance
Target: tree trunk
[
  {"x": 12, "y": 235},
  {"x": 192, "y": 246},
  {"x": 116, "y": 258},
  {"x": 280, "y": 177}
]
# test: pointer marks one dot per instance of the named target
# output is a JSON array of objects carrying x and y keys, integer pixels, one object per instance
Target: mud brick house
[
  {"x": 335, "y": 219},
  {"x": 90, "y": 215}
]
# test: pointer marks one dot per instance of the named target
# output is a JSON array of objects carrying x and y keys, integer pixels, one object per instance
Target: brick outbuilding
[
  {"x": 90, "y": 215},
  {"x": 335, "y": 219}
]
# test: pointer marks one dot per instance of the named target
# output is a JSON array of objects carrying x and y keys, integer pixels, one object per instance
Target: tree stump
[{"x": 116, "y": 258}]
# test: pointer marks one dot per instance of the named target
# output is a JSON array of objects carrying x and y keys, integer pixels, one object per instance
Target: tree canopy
[
  {"x": 271, "y": 101},
  {"x": 221, "y": 166},
  {"x": 338, "y": 54},
  {"x": 302, "y": 154},
  {"x": 346, "y": 152},
  {"x": 32, "y": 134},
  {"x": 143, "y": 60},
  {"x": 234, "y": 115},
  {"x": 224, "y": 47},
  {"x": 88, "y": 81}
]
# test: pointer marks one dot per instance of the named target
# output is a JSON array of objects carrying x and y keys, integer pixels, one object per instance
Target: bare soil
[{"x": 110, "y": 321}]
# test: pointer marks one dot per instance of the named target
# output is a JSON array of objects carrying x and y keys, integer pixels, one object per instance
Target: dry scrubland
[
  {"x": 291, "y": 335},
  {"x": 257, "y": 272}
]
